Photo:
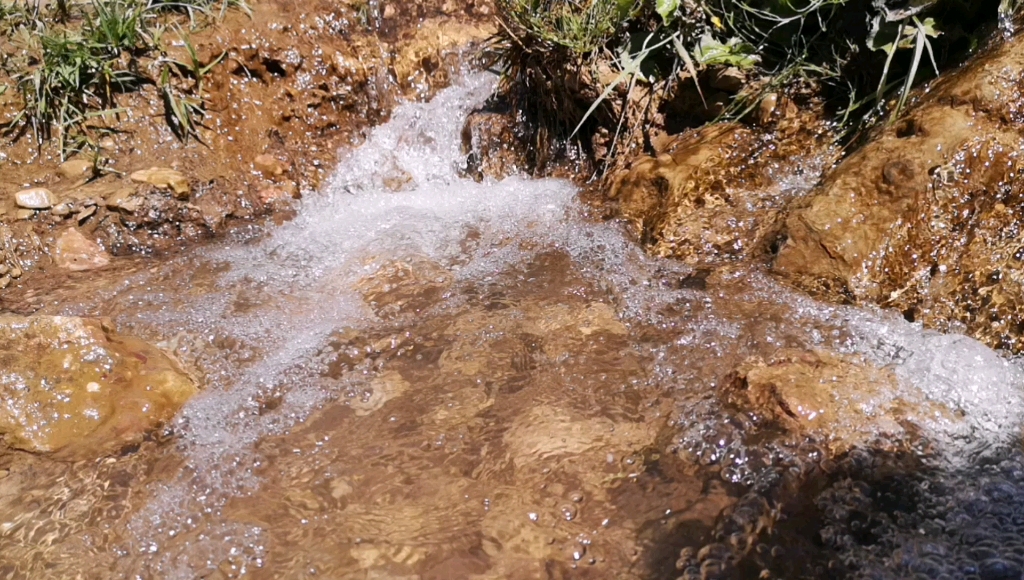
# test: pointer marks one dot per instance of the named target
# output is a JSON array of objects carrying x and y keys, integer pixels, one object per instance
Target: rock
[
  {"x": 841, "y": 401},
  {"x": 35, "y": 198},
  {"x": 24, "y": 214},
  {"x": 73, "y": 387},
  {"x": 76, "y": 168},
  {"x": 728, "y": 79},
  {"x": 269, "y": 165},
  {"x": 767, "y": 107},
  {"x": 924, "y": 218},
  {"x": 73, "y": 251},
  {"x": 123, "y": 199},
  {"x": 61, "y": 210},
  {"x": 164, "y": 178},
  {"x": 85, "y": 214},
  {"x": 491, "y": 146},
  {"x": 270, "y": 195},
  {"x": 709, "y": 196}
]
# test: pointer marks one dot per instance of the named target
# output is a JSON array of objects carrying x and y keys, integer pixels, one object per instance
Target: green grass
[
  {"x": 576, "y": 68},
  {"x": 75, "y": 60}
]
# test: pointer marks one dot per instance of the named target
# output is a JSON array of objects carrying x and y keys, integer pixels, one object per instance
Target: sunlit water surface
[{"x": 475, "y": 380}]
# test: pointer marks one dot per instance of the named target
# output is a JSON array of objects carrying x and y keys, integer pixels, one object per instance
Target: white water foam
[{"x": 301, "y": 277}]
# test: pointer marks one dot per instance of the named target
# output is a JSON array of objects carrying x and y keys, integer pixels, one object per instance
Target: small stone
[
  {"x": 108, "y": 143},
  {"x": 767, "y": 107},
  {"x": 5, "y": 281},
  {"x": 389, "y": 11},
  {"x": 24, "y": 214},
  {"x": 164, "y": 178},
  {"x": 729, "y": 79},
  {"x": 73, "y": 251},
  {"x": 75, "y": 388},
  {"x": 61, "y": 209},
  {"x": 35, "y": 198},
  {"x": 269, "y": 195},
  {"x": 85, "y": 214},
  {"x": 76, "y": 168},
  {"x": 16, "y": 272},
  {"x": 124, "y": 199},
  {"x": 269, "y": 165}
]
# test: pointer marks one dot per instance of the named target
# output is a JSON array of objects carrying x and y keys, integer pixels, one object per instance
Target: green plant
[
  {"x": 184, "y": 112},
  {"x": 80, "y": 57}
]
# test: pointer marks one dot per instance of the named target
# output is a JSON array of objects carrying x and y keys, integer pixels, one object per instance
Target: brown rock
[
  {"x": 709, "y": 196},
  {"x": 491, "y": 145},
  {"x": 925, "y": 217},
  {"x": 270, "y": 195},
  {"x": 73, "y": 251},
  {"x": 73, "y": 387},
  {"x": 269, "y": 165},
  {"x": 728, "y": 79},
  {"x": 841, "y": 401},
  {"x": 164, "y": 178},
  {"x": 76, "y": 168}
]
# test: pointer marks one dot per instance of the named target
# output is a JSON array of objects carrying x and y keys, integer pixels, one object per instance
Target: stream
[{"x": 426, "y": 377}]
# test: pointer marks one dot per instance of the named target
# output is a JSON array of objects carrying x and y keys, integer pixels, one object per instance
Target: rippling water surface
[{"x": 426, "y": 377}]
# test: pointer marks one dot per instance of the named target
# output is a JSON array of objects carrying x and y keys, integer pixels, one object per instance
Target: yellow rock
[
  {"x": 75, "y": 168},
  {"x": 73, "y": 387},
  {"x": 163, "y": 178}
]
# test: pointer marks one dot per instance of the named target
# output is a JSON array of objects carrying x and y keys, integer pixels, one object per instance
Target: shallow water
[{"x": 422, "y": 376}]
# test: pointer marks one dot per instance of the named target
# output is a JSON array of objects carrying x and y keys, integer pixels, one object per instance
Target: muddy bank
[{"x": 288, "y": 87}]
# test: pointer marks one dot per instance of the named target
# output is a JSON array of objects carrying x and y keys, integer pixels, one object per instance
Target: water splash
[{"x": 261, "y": 314}]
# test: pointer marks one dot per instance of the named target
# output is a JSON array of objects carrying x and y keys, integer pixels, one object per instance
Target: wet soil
[{"x": 296, "y": 82}]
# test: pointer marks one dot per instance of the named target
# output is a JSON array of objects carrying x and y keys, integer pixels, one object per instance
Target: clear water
[{"x": 477, "y": 380}]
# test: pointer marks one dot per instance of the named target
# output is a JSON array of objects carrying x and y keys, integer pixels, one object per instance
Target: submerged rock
[
  {"x": 76, "y": 168},
  {"x": 74, "y": 387},
  {"x": 269, "y": 165},
  {"x": 843, "y": 402},
  {"x": 928, "y": 216},
  {"x": 491, "y": 145}
]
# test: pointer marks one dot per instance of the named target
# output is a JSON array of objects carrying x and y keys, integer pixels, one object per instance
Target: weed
[
  {"x": 79, "y": 57},
  {"x": 575, "y": 68}
]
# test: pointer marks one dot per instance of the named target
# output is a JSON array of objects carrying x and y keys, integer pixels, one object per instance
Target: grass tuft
[{"x": 75, "y": 60}]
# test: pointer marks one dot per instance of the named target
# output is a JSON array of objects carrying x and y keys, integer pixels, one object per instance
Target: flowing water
[{"x": 477, "y": 380}]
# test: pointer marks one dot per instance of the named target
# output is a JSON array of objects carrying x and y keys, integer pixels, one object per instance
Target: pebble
[
  {"x": 24, "y": 214},
  {"x": 73, "y": 251},
  {"x": 85, "y": 213},
  {"x": 35, "y": 198},
  {"x": 61, "y": 210},
  {"x": 164, "y": 178},
  {"x": 76, "y": 168},
  {"x": 269, "y": 165}
]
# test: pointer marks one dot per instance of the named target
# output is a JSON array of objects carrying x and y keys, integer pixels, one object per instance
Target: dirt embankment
[{"x": 293, "y": 83}]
